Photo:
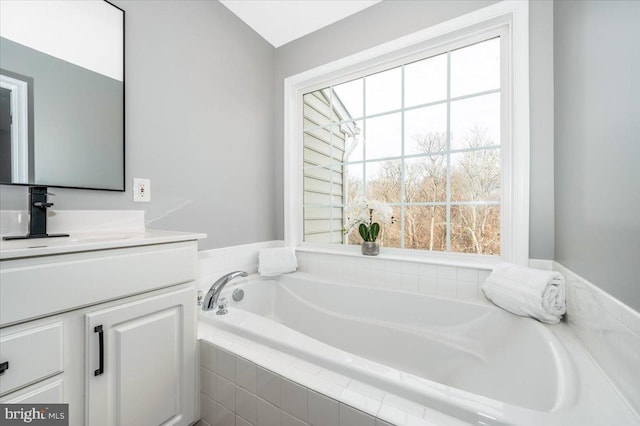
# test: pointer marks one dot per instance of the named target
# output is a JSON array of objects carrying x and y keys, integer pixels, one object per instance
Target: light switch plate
[{"x": 141, "y": 190}]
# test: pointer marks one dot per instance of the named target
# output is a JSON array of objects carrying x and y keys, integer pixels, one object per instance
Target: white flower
[{"x": 363, "y": 210}]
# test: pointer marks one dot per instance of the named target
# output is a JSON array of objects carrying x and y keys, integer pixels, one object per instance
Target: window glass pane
[
  {"x": 383, "y": 180},
  {"x": 475, "y": 122},
  {"x": 324, "y": 146},
  {"x": 353, "y": 181},
  {"x": 475, "y": 229},
  {"x": 426, "y": 179},
  {"x": 326, "y": 173},
  {"x": 475, "y": 68},
  {"x": 391, "y": 235},
  {"x": 475, "y": 175},
  {"x": 313, "y": 197},
  {"x": 384, "y": 91},
  {"x": 383, "y": 136},
  {"x": 425, "y": 81},
  {"x": 337, "y": 194},
  {"x": 339, "y": 139},
  {"x": 316, "y": 152},
  {"x": 425, "y": 130},
  {"x": 321, "y": 224},
  {"x": 337, "y": 237},
  {"x": 354, "y": 237},
  {"x": 349, "y": 98},
  {"x": 316, "y": 109},
  {"x": 321, "y": 183},
  {"x": 354, "y": 142},
  {"x": 321, "y": 213},
  {"x": 425, "y": 227}
]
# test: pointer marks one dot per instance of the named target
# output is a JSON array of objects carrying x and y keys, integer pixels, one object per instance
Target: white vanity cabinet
[{"x": 109, "y": 330}]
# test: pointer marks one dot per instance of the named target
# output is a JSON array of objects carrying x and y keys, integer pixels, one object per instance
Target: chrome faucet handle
[{"x": 222, "y": 306}]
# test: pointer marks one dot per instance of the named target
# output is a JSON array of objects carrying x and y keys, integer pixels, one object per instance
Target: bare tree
[
  {"x": 474, "y": 177},
  {"x": 425, "y": 181}
]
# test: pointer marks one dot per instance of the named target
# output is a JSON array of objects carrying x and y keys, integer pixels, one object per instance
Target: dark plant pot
[{"x": 370, "y": 248}]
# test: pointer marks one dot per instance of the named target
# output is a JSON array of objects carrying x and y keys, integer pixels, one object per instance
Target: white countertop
[{"x": 79, "y": 242}]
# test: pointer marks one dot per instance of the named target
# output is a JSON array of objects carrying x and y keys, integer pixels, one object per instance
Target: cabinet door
[{"x": 140, "y": 363}]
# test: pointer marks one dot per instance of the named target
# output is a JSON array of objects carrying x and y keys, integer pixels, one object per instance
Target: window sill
[{"x": 458, "y": 260}]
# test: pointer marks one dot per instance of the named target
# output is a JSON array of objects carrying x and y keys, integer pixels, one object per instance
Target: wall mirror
[{"x": 62, "y": 94}]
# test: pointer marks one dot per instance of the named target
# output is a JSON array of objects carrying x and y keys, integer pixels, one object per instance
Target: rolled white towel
[
  {"x": 527, "y": 292},
  {"x": 276, "y": 261}
]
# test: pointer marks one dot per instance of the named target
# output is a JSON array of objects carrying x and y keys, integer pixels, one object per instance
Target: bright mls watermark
[{"x": 34, "y": 414}]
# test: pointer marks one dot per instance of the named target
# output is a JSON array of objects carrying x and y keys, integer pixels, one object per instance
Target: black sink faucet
[
  {"x": 38, "y": 211},
  {"x": 37, "y": 215}
]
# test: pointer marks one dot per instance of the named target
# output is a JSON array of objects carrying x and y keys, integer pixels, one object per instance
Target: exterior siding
[{"x": 324, "y": 148}]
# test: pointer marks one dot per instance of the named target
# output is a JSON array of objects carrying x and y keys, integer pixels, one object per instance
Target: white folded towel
[
  {"x": 527, "y": 292},
  {"x": 276, "y": 261}
]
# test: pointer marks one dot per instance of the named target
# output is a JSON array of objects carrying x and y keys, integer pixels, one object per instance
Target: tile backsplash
[
  {"x": 284, "y": 381},
  {"x": 437, "y": 280},
  {"x": 212, "y": 264},
  {"x": 234, "y": 390},
  {"x": 16, "y": 222},
  {"x": 609, "y": 331}
]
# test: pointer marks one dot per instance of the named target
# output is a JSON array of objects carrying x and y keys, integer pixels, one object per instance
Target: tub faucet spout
[{"x": 211, "y": 299}]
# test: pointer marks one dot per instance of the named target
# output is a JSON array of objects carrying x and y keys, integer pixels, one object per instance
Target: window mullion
[
  {"x": 331, "y": 165},
  {"x": 402, "y": 161},
  {"x": 448, "y": 208},
  {"x": 411, "y": 108},
  {"x": 364, "y": 137}
]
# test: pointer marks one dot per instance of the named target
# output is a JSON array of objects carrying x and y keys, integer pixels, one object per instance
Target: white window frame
[{"x": 514, "y": 16}]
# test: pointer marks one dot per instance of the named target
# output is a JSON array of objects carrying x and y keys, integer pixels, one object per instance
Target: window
[
  {"x": 423, "y": 137},
  {"x": 435, "y": 124}
]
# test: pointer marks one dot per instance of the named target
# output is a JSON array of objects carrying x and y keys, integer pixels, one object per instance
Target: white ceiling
[{"x": 282, "y": 21}]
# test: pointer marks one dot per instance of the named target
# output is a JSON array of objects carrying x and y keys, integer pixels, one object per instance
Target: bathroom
[{"x": 205, "y": 121}]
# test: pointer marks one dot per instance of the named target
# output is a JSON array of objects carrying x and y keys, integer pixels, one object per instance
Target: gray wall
[
  {"x": 541, "y": 207},
  {"x": 389, "y": 20},
  {"x": 597, "y": 143},
  {"x": 199, "y": 124}
]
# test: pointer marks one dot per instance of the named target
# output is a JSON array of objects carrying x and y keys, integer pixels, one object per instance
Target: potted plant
[{"x": 361, "y": 213}]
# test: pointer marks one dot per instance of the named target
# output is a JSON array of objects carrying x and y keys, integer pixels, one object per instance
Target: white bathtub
[{"x": 471, "y": 361}]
